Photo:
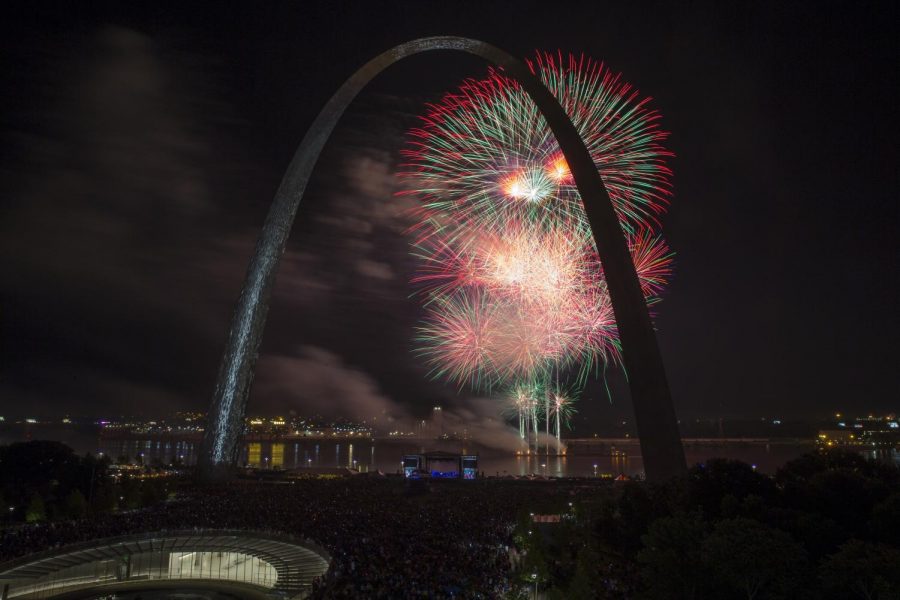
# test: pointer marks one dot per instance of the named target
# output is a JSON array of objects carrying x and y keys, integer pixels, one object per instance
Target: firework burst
[
  {"x": 509, "y": 271},
  {"x": 486, "y": 152}
]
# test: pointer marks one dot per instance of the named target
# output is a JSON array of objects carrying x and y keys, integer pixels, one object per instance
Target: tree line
[
  {"x": 46, "y": 481},
  {"x": 827, "y": 525}
]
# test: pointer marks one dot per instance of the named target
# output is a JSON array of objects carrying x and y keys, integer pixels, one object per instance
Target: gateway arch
[{"x": 657, "y": 426}]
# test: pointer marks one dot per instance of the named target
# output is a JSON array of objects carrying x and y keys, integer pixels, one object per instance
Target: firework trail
[{"x": 562, "y": 410}]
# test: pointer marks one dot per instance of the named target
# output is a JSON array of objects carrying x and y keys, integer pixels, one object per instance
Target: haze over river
[{"x": 585, "y": 457}]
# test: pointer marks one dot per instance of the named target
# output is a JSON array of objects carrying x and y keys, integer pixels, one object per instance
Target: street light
[{"x": 534, "y": 579}]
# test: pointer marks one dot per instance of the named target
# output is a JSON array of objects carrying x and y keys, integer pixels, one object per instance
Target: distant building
[
  {"x": 437, "y": 422},
  {"x": 870, "y": 431}
]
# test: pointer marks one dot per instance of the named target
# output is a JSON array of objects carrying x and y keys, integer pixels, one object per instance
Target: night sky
[{"x": 141, "y": 148}]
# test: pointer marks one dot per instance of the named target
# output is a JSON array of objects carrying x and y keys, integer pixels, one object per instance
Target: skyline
[{"x": 117, "y": 243}]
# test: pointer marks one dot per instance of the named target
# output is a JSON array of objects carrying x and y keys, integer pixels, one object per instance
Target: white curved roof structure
[{"x": 267, "y": 565}]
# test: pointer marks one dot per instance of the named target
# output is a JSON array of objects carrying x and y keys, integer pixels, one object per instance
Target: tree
[
  {"x": 584, "y": 583},
  {"x": 819, "y": 534},
  {"x": 802, "y": 469},
  {"x": 36, "y": 512},
  {"x": 708, "y": 484},
  {"x": 862, "y": 570},
  {"x": 104, "y": 498},
  {"x": 95, "y": 474},
  {"x": 846, "y": 496},
  {"x": 753, "y": 560},
  {"x": 152, "y": 492},
  {"x": 52, "y": 471},
  {"x": 885, "y": 524},
  {"x": 27, "y": 468},
  {"x": 671, "y": 560},
  {"x": 75, "y": 505},
  {"x": 535, "y": 562},
  {"x": 633, "y": 512},
  {"x": 129, "y": 494}
]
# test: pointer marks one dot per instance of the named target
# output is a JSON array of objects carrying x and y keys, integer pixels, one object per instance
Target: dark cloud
[
  {"x": 139, "y": 151},
  {"x": 124, "y": 224},
  {"x": 103, "y": 269}
]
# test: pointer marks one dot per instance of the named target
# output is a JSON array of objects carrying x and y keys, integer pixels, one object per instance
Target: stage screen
[
  {"x": 470, "y": 467},
  {"x": 410, "y": 465},
  {"x": 443, "y": 468}
]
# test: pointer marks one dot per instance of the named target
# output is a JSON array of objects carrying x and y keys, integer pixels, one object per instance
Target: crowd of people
[{"x": 450, "y": 542}]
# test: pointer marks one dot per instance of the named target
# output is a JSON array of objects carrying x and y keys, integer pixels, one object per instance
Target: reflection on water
[
  {"x": 254, "y": 454},
  {"x": 367, "y": 455},
  {"x": 150, "y": 451},
  {"x": 288, "y": 455},
  {"x": 277, "y": 455}
]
